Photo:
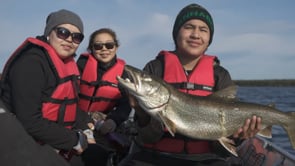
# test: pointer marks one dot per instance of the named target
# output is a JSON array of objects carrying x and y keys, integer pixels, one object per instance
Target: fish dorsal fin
[
  {"x": 168, "y": 124},
  {"x": 227, "y": 93}
]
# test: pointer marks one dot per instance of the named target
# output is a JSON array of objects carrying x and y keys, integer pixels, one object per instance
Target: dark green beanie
[{"x": 193, "y": 11}]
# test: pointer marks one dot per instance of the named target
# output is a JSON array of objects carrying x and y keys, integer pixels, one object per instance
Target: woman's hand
[
  {"x": 142, "y": 117},
  {"x": 82, "y": 143},
  {"x": 107, "y": 126},
  {"x": 132, "y": 101}
]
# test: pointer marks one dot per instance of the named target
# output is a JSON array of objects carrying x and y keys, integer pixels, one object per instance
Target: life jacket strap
[{"x": 191, "y": 86}]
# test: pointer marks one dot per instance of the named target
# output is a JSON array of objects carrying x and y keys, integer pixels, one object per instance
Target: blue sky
[{"x": 253, "y": 39}]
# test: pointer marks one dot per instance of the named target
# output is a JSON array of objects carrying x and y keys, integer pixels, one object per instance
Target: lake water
[{"x": 284, "y": 100}]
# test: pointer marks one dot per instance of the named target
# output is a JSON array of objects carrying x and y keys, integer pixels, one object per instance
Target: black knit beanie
[
  {"x": 62, "y": 17},
  {"x": 193, "y": 11}
]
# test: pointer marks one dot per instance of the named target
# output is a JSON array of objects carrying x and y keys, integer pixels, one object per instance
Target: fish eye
[{"x": 148, "y": 79}]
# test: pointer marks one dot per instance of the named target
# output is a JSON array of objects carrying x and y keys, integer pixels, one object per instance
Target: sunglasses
[
  {"x": 99, "y": 46},
  {"x": 64, "y": 33}
]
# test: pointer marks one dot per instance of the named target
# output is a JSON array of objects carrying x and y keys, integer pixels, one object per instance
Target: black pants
[
  {"x": 95, "y": 155},
  {"x": 19, "y": 148},
  {"x": 105, "y": 152},
  {"x": 147, "y": 158}
]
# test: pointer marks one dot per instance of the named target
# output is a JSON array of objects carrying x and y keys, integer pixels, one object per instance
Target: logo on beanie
[{"x": 197, "y": 15}]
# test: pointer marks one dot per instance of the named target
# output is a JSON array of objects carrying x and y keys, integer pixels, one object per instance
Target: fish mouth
[{"x": 132, "y": 82}]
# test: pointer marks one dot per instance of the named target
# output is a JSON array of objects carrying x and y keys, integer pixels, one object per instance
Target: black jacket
[
  {"x": 122, "y": 110},
  {"x": 16, "y": 143},
  {"x": 150, "y": 130},
  {"x": 31, "y": 78}
]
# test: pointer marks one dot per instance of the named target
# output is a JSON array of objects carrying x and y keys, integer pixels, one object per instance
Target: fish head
[{"x": 150, "y": 91}]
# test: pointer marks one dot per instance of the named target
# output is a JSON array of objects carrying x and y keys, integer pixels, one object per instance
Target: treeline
[{"x": 274, "y": 82}]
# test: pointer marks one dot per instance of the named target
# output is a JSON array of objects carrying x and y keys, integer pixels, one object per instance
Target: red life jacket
[
  {"x": 61, "y": 106},
  {"x": 99, "y": 95},
  {"x": 199, "y": 82}
]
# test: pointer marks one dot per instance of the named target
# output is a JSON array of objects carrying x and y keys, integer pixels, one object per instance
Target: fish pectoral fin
[
  {"x": 266, "y": 132},
  {"x": 168, "y": 124},
  {"x": 228, "y": 144}
]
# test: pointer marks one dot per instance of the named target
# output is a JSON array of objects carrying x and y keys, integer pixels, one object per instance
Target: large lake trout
[{"x": 212, "y": 117}]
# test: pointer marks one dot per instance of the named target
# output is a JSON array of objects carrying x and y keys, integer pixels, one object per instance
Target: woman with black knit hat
[
  {"x": 191, "y": 71},
  {"x": 39, "y": 85}
]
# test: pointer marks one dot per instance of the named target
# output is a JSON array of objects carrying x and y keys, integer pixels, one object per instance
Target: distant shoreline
[{"x": 268, "y": 82}]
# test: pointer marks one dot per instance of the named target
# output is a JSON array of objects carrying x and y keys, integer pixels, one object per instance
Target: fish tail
[{"x": 290, "y": 128}]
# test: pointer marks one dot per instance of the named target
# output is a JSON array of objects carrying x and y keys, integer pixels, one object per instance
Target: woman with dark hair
[{"x": 100, "y": 95}]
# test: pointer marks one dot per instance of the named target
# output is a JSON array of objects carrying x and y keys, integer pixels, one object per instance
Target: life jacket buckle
[{"x": 190, "y": 86}]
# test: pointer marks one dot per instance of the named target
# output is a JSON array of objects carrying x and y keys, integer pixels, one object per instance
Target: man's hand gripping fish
[{"x": 213, "y": 117}]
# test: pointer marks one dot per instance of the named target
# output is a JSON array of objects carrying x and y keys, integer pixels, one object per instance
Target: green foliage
[{"x": 274, "y": 82}]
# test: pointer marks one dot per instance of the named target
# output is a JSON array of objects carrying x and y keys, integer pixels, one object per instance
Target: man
[{"x": 185, "y": 66}]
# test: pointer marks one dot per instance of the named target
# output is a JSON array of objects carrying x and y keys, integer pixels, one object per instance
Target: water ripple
[{"x": 283, "y": 98}]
